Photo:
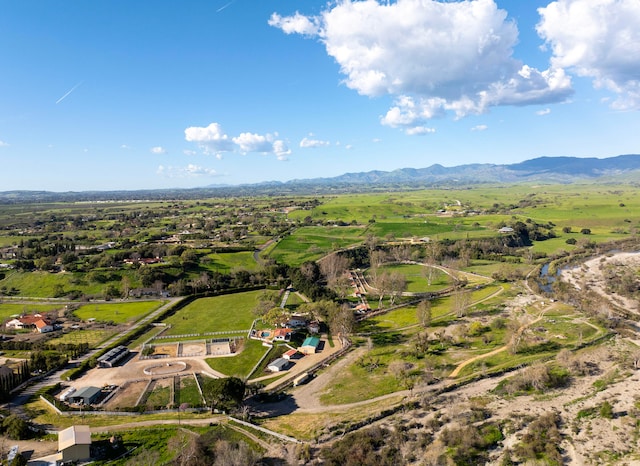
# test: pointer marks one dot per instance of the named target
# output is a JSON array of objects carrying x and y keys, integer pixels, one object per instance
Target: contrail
[
  {"x": 225, "y": 6},
  {"x": 67, "y": 94}
]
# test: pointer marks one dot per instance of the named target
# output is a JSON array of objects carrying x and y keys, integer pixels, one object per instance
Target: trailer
[{"x": 301, "y": 379}]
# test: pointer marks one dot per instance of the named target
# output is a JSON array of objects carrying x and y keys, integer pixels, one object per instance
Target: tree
[
  {"x": 341, "y": 320},
  {"x": 460, "y": 300},
  {"x": 224, "y": 394},
  {"x": 15, "y": 427},
  {"x": 397, "y": 285},
  {"x": 267, "y": 301},
  {"x": 423, "y": 313},
  {"x": 333, "y": 267}
]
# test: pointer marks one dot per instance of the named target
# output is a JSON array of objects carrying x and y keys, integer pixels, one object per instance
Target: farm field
[
  {"x": 225, "y": 313},
  {"x": 119, "y": 313}
]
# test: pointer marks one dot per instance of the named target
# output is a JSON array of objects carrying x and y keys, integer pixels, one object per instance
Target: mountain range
[
  {"x": 547, "y": 169},
  {"x": 622, "y": 168}
]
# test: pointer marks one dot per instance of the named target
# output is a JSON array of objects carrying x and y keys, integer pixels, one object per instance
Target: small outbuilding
[
  {"x": 278, "y": 365},
  {"x": 74, "y": 444},
  {"x": 85, "y": 396},
  {"x": 310, "y": 345},
  {"x": 292, "y": 354}
]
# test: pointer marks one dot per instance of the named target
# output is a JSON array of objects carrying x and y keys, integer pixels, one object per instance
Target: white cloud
[
  {"x": 480, "y": 128},
  {"x": 190, "y": 171},
  {"x": 434, "y": 57},
  {"x": 213, "y": 140},
  {"x": 543, "y": 112},
  {"x": 3, "y": 144},
  {"x": 348, "y": 147},
  {"x": 189, "y": 152},
  {"x": 249, "y": 142},
  {"x": 599, "y": 39},
  {"x": 124, "y": 147},
  {"x": 313, "y": 143},
  {"x": 419, "y": 131},
  {"x": 296, "y": 24},
  {"x": 158, "y": 150}
]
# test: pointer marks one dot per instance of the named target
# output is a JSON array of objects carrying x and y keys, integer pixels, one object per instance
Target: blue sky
[{"x": 106, "y": 95}]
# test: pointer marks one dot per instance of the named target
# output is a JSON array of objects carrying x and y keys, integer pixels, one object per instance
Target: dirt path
[{"x": 464, "y": 364}]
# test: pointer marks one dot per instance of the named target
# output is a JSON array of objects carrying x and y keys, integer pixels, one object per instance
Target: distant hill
[
  {"x": 624, "y": 168},
  {"x": 550, "y": 169}
]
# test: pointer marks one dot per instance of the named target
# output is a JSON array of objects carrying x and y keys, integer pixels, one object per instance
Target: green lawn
[
  {"x": 241, "y": 364},
  {"x": 7, "y": 310},
  {"x": 117, "y": 312},
  {"x": 218, "y": 314}
]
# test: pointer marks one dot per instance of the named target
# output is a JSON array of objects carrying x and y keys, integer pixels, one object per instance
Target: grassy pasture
[
  {"x": 242, "y": 363},
  {"x": 218, "y": 314},
  {"x": 119, "y": 312},
  {"x": 228, "y": 261},
  {"x": 415, "y": 276},
  {"x": 311, "y": 243},
  {"x": 8, "y": 309}
]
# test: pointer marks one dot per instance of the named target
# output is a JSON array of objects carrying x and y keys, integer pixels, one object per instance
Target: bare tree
[
  {"x": 341, "y": 321},
  {"x": 460, "y": 300},
  {"x": 333, "y": 267},
  {"x": 423, "y": 313},
  {"x": 397, "y": 286}
]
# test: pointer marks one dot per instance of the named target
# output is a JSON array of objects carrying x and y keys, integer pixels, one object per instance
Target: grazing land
[{"x": 455, "y": 324}]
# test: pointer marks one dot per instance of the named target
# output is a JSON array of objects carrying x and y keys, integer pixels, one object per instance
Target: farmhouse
[
  {"x": 310, "y": 345},
  {"x": 113, "y": 357},
  {"x": 74, "y": 444},
  {"x": 282, "y": 334},
  {"x": 30, "y": 322},
  {"x": 278, "y": 365},
  {"x": 85, "y": 396},
  {"x": 296, "y": 322},
  {"x": 43, "y": 326}
]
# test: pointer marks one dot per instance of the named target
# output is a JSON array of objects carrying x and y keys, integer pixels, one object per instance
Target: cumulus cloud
[
  {"x": 599, "y": 39},
  {"x": 480, "y": 128},
  {"x": 213, "y": 140},
  {"x": 313, "y": 143},
  {"x": 158, "y": 150},
  {"x": 190, "y": 171},
  {"x": 433, "y": 57}
]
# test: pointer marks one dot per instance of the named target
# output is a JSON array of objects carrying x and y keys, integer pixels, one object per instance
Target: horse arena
[{"x": 169, "y": 376}]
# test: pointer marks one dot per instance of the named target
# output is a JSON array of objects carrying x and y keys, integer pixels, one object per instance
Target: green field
[
  {"x": 228, "y": 261},
  {"x": 311, "y": 243},
  {"x": 242, "y": 363},
  {"x": 415, "y": 275},
  {"x": 218, "y": 314},
  {"x": 8, "y": 310},
  {"x": 120, "y": 312}
]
